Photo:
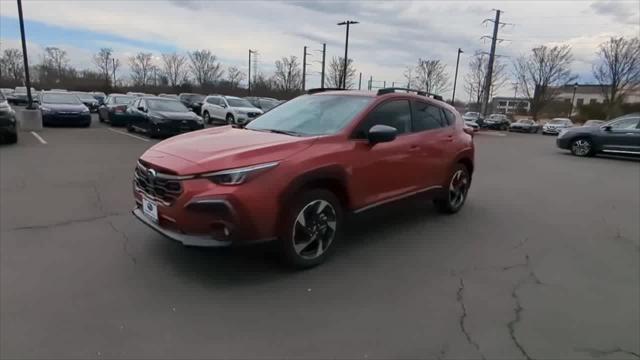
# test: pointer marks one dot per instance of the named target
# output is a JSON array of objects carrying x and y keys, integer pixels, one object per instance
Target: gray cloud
[{"x": 619, "y": 10}]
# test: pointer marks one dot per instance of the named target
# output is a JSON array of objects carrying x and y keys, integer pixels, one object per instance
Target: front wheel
[
  {"x": 230, "y": 119},
  {"x": 130, "y": 127},
  {"x": 310, "y": 228},
  {"x": 206, "y": 117},
  {"x": 456, "y": 193},
  {"x": 582, "y": 147}
]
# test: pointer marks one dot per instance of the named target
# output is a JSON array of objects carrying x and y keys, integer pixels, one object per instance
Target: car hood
[
  {"x": 582, "y": 130},
  {"x": 222, "y": 148},
  {"x": 247, "y": 109},
  {"x": 169, "y": 115},
  {"x": 556, "y": 125},
  {"x": 65, "y": 107}
]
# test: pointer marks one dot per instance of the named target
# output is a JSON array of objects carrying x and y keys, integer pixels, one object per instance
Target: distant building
[
  {"x": 589, "y": 94},
  {"x": 509, "y": 105}
]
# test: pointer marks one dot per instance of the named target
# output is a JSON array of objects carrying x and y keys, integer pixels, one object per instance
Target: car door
[
  {"x": 621, "y": 135},
  {"x": 385, "y": 171},
  {"x": 137, "y": 118},
  {"x": 436, "y": 129},
  {"x": 103, "y": 110}
]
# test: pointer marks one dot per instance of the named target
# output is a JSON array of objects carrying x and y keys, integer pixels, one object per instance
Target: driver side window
[
  {"x": 625, "y": 124},
  {"x": 396, "y": 113}
]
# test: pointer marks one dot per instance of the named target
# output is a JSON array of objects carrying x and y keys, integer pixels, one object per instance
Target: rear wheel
[
  {"x": 100, "y": 117},
  {"x": 582, "y": 147},
  {"x": 130, "y": 128},
  {"x": 206, "y": 117},
  {"x": 230, "y": 119},
  {"x": 456, "y": 193},
  {"x": 311, "y": 228}
]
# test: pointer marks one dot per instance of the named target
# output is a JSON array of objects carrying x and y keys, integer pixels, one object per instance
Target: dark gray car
[{"x": 619, "y": 136}]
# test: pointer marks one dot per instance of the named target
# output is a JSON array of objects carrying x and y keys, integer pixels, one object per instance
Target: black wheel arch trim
[{"x": 334, "y": 174}]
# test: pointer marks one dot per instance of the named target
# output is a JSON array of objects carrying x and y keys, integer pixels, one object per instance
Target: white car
[
  {"x": 556, "y": 126},
  {"x": 228, "y": 109},
  {"x": 472, "y": 124}
]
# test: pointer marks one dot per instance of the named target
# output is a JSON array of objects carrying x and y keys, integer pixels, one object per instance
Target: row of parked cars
[{"x": 502, "y": 122}]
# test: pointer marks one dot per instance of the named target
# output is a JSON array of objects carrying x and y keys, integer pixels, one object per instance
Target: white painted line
[
  {"x": 42, "y": 141},
  {"x": 131, "y": 135}
]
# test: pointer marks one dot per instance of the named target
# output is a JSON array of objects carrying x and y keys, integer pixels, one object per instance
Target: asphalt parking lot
[{"x": 542, "y": 263}]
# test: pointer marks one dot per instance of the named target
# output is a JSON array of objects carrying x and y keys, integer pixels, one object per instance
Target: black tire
[
  {"x": 582, "y": 147},
  {"x": 130, "y": 127},
  {"x": 11, "y": 138},
  {"x": 230, "y": 119},
  {"x": 100, "y": 117},
  {"x": 206, "y": 117},
  {"x": 291, "y": 230},
  {"x": 450, "y": 202},
  {"x": 87, "y": 124}
]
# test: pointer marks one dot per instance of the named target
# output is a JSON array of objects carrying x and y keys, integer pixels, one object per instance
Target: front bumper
[
  {"x": 563, "y": 143},
  {"x": 551, "y": 130},
  {"x": 187, "y": 240},
  {"x": 65, "y": 119},
  {"x": 176, "y": 127}
]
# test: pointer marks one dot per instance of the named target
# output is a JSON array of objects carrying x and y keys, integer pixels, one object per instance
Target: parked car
[
  {"x": 525, "y": 125},
  {"x": 264, "y": 104},
  {"x": 8, "y": 128},
  {"x": 229, "y": 109},
  {"x": 293, "y": 174},
  {"x": 555, "y": 125},
  {"x": 100, "y": 96},
  {"x": 136, "y": 94},
  {"x": 159, "y": 117},
  {"x": 593, "y": 123},
  {"x": 472, "y": 125},
  {"x": 618, "y": 136},
  {"x": 497, "y": 122},
  {"x": 19, "y": 96},
  {"x": 114, "y": 109},
  {"x": 192, "y": 101},
  {"x": 169, "y": 96},
  {"x": 474, "y": 117},
  {"x": 6, "y": 92},
  {"x": 63, "y": 108},
  {"x": 88, "y": 100}
]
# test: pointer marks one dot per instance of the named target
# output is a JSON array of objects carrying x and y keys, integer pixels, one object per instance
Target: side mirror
[
  {"x": 223, "y": 105},
  {"x": 141, "y": 108},
  {"x": 606, "y": 128},
  {"x": 381, "y": 133}
]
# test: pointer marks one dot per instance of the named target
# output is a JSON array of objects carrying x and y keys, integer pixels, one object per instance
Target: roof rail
[
  {"x": 319, "y": 90},
  {"x": 419, "y": 92}
]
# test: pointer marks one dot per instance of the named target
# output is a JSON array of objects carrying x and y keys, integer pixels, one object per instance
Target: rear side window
[
  {"x": 427, "y": 117},
  {"x": 213, "y": 101},
  {"x": 396, "y": 114}
]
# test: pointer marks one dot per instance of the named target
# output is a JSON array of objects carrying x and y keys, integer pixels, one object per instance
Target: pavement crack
[
  {"x": 64, "y": 223},
  {"x": 600, "y": 353},
  {"x": 518, "y": 307},
  {"x": 98, "y": 197},
  {"x": 461, "y": 321},
  {"x": 125, "y": 243}
]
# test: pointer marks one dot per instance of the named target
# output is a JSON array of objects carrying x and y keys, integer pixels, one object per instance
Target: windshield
[
  {"x": 559, "y": 121},
  {"x": 60, "y": 99},
  {"x": 525, "y": 121},
  {"x": 593, "y": 122},
  {"x": 166, "y": 105},
  {"x": 312, "y": 114},
  {"x": 235, "y": 102},
  {"x": 193, "y": 97},
  {"x": 120, "y": 100},
  {"x": 496, "y": 116},
  {"x": 84, "y": 96},
  {"x": 471, "y": 114}
]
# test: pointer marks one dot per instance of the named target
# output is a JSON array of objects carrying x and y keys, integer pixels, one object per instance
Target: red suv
[{"x": 292, "y": 174}]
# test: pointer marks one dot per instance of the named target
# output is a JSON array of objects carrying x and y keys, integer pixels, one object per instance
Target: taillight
[{"x": 120, "y": 109}]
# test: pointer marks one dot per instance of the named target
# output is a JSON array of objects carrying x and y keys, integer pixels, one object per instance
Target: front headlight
[
  {"x": 45, "y": 109},
  {"x": 238, "y": 176}
]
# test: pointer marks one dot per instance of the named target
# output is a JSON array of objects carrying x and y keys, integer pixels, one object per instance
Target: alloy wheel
[
  {"x": 314, "y": 229},
  {"x": 207, "y": 119},
  {"x": 581, "y": 147},
  {"x": 458, "y": 188}
]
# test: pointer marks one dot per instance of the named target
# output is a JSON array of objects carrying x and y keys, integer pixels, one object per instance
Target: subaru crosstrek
[{"x": 293, "y": 174}]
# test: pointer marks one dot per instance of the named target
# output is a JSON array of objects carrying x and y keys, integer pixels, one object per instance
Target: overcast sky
[{"x": 391, "y": 35}]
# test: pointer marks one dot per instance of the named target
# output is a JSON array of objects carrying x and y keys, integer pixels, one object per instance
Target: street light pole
[
  {"x": 324, "y": 52},
  {"x": 346, "y": 52},
  {"x": 27, "y": 79},
  {"x": 573, "y": 97},
  {"x": 455, "y": 78}
]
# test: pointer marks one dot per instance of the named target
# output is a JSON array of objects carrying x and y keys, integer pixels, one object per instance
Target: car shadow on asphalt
[
  {"x": 622, "y": 158},
  {"x": 260, "y": 263}
]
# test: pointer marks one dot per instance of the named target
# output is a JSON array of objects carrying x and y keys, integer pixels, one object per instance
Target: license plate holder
[{"x": 150, "y": 209}]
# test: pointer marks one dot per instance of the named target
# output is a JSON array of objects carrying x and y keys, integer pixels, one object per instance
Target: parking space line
[
  {"x": 131, "y": 135},
  {"x": 42, "y": 141}
]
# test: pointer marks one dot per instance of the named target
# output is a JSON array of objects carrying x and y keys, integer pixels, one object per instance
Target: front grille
[{"x": 158, "y": 188}]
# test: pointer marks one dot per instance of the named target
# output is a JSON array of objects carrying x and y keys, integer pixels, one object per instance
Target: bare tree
[
  {"x": 204, "y": 67},
  {"x": 174, "y": 67},
  {"x": 539, "y": 73},
  {"x": 618, "y": 71},
  {"x": 288, "y": 75},
  {"x": 431, "y": 76},
  {"x": 12, "y": 65},
  {"x": 408, "y": 75},
  {"x": 56, "y": 59},
  {"x": 103, "y": 62},
  {"x": 234, "y": 76},
  {"x": 477, "y": 74},
  {"x": 141, "y": 66},
  {"x": 335, "y": 73}
]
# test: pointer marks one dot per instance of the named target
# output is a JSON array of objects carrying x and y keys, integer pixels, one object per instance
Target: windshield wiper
[{"x": 285, "y": 132}]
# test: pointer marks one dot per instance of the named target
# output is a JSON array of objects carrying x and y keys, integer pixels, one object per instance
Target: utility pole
[
  {"x": 455, "y": 78},
  {"x": 573, "y": 97},
  {"x": 27, "y": 80},
  {"x": 249, "y": 72},
  {"x": 371, "y": 83},
  {"x": 324, "y": 53},
  {"x": 346, "y": 52},
  {"x": 304, "y": 68},
  {"x": 360, "y": 82},
  {"x": 492, "y": 55},
  {"x": 114, "y": 71}
]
